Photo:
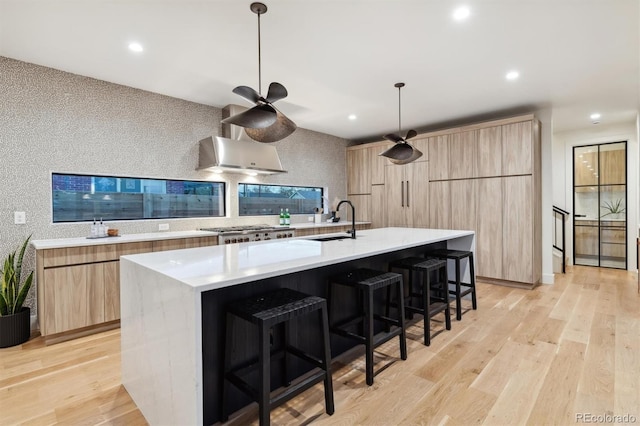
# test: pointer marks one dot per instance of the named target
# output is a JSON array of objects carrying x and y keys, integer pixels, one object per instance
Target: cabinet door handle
[
  {"x": 407, "y": 193},
  {"x": 402, "y": 193}
]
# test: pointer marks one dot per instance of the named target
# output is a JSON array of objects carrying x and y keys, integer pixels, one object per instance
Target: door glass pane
[{"x": 600, "y": 205}]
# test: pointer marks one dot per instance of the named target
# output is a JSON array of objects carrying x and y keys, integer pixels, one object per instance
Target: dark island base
[{"x": 304, "y": 333}]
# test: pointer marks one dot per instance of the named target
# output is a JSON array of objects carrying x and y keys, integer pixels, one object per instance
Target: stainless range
[{"x": 242, "y": 234}]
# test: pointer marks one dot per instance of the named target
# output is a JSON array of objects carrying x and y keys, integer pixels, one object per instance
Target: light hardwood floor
[{"x": 535, "y": 357}]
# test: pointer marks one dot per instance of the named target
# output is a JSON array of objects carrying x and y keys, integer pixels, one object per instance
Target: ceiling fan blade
[
  {"x": 399, "y": 151},
  {"x": 416, "y": 154},
  {"x": 276, "y": 92},
  {"x": 411, "y": 134},
  {"x": 393, "y": 137},
  {"x": 258, "y": 117},
  {"x": 248, "y": 93},
  {"x": 279, "y": 130}
]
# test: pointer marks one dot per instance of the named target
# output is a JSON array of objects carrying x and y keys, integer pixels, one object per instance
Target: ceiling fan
[
  {"x": 402, "y": 152},
  {"x": 263, "y": 122}
]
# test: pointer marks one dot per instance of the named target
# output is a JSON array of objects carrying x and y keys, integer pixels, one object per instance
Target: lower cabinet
[
  {"x": 79, "y": 287},
  {"x": 74, "y": 296}
]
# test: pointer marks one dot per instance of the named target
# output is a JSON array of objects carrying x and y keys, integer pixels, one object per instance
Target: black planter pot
[{"x": 15, "y": 329}]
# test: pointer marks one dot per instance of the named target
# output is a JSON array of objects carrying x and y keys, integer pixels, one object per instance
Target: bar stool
[
  {"x": 265, "y": 311},
  {"x": 365, "y": 282},
  {"x": 431, "y": 304},
  {"x": 470, "y": 287}
]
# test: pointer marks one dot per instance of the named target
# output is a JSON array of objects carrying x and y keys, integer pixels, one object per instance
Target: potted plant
[
  {"x": 14, "y": 318},
  {"x": 614, "y": 208}
]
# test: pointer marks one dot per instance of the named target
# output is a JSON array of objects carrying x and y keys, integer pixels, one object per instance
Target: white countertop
[
  {"x": 154, "y": 236},
  {"x": 213, "y": 267},
  {"x": 126, "y": 238}
]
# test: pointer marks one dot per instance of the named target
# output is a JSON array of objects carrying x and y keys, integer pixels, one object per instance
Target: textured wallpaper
[{"x": 53, "y": 121}]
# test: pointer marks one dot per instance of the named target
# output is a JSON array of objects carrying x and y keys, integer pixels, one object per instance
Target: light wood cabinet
[
  {"x": 462, "y": 154},
  {"x": 359, "y": 171},
  {"x": 407, "y": 195},
  {"x": 440, "y": 205},
  {"x": 613, "y": 167},
  {"x": 489, "y": 248},
  {"x": 75, "y": 296},
  {"x": 362, "y": 205},
  {"x": 483, "y": 177},
  {"x": 517, "y": 148},
  {"x": 463, "y": 204},
  {"x": 584, "y": 165},
  {"x": 489, "y": 152},
  {"x": 439, "y": 157},
  {"x": 518, "y": 232},
  {"x": 79, "y": 287},
  {"x": 378, "y": 206},
  {"x": 378, "y": 162}
]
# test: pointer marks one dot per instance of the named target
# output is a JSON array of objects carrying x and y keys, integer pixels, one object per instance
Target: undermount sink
[{"x": 337, "y": 237}]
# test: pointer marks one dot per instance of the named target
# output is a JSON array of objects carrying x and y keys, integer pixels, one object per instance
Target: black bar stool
[
  {"x": 431, "y": 304},
  {"x": 266, "y": 311},
  {"x": 470, "y": 287},
  {"x": 365, "y": 282}
]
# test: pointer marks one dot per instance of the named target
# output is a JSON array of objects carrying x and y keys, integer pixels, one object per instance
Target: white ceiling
[{"x": 338, "y": 57}]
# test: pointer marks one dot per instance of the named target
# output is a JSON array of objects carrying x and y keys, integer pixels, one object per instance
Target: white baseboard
[{"x": 548, "y": 278}]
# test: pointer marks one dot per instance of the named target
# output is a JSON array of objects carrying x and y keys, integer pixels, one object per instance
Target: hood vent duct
[
  {"x": 235, "y": 152},
  {"x": 220, "y": 154}
]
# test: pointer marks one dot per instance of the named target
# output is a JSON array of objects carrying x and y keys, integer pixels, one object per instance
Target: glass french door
[{"x": 599, "y": 205}]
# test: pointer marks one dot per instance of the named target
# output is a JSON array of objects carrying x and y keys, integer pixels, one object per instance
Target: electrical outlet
[
  {"x": 19, "y": 218},
  {"x": 310, "y": 219},
  {"x": 163, "y": 227}
]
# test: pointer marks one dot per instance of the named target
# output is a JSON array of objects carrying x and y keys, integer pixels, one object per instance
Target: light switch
[{"x": 19, "y": 218}]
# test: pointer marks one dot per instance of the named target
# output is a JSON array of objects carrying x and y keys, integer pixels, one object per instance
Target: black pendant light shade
[
  {"x": 402, "y": 152},
  {"x": 263, "y": 122},
  {"x": 280, "y": 129}
]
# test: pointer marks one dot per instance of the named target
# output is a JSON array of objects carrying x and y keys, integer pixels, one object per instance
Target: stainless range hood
[{"x": 237, "y": 153}]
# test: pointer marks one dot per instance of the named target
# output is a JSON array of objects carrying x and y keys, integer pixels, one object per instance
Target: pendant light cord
[
  {"x": 399, "y": 114},
  {"x": 259, "y": 60}
]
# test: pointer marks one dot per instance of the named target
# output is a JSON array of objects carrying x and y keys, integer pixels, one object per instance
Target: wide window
[
  {"x": 257, "y": 199},
  {"x": 81, "y": 198}
]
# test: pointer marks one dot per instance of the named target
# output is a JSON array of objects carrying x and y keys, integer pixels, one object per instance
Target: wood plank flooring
[{"x": 541, "y": 356}]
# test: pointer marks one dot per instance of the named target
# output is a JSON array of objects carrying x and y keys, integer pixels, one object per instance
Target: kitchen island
[{"x": 172, "y": 306}]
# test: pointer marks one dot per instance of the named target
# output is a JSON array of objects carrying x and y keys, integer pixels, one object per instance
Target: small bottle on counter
[
  {"x": 94, "y": 229},
  {"x": 287, "y": 218},
  {"x": 102, "y": 228},
  {"x": 281, "y": 217}
]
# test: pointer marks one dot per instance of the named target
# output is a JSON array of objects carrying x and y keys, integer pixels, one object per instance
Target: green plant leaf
[
  {"x": 23, "y": 293},
  {"x": 3, "y": 306}
]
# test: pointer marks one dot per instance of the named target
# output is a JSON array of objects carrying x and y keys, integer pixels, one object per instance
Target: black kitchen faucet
[{"x": 353, "y": 217}]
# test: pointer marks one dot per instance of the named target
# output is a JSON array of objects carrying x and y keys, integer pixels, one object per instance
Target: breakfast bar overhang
[{"x": 172, "y": 306}]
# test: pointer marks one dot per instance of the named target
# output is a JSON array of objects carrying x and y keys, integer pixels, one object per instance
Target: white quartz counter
[
  {"x": 126, "y": 238},
  {"x": 155, "y": 236},
  {"x": 214, "y": 267}
]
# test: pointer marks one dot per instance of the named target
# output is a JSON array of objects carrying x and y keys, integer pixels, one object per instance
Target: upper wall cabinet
[
  {"x": 462, "y": 154},
  {"x": 489, "y": 152},
  {"x": 439, "y": 157},
  {"x": 517, "y": 148},
  {"x": 358, "y": 171}
]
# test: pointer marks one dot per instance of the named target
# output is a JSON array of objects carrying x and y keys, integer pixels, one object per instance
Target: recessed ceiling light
[
  {"x": 135, "y": 47},
  {"x": 352, "y": 117},
  {"x": 595, "y": 116},
  {"x": 461, "y": 13},
  {"x": 252, "y": 173},
  {"x": 512, "y": 75}
]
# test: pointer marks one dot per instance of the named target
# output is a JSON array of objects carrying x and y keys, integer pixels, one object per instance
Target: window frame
[{"x": 221, "y": 198}]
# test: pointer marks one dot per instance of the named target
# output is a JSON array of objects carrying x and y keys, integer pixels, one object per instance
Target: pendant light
[
  {"x": 263, "y": 122},
  {"x": 402, "y": 152}
]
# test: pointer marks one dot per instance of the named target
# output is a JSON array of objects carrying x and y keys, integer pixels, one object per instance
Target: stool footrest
[{"x": 297, "y": 388}]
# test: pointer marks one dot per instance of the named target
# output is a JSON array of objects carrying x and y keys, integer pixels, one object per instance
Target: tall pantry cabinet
[{"x": 484, "y": 177}]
